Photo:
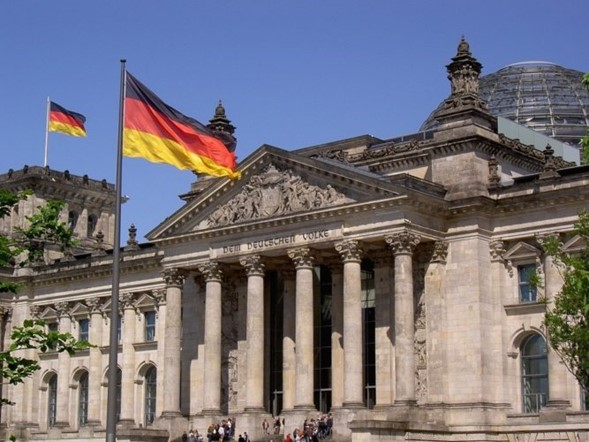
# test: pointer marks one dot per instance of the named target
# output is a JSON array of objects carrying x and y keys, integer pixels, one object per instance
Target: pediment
[
  {"x": 522, "y": 251},
  {"x": 275, "y": 184},
  {"x": 575, "y": 244},
  {"x": 47, "y": 313},
  {"x": 79, "y": 309}
]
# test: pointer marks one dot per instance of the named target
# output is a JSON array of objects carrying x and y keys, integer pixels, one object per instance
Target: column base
[
  {"x": 558, "y": 403},
  {"x": 253, "y": 409},
  {"x": 126, "y": 423},
  {"x": 304, "y": 407},
  {"x": 170, "y": 414},
  {"x": 405, "y": 403},
  {"x": 353, "y": 405}
]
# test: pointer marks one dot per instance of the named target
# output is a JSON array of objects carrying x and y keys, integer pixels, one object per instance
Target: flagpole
[
  {"x": 47, "y": 130},
  {"x": 111, "y": 411}
]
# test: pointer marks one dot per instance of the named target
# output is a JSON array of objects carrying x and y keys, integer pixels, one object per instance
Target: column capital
[
  {"x": 127, "y": 301},
  {"x": 440, "y": 252},
  {"x": 173, "y": 277},
  {"x": 94, "y": 305},
  {"x": 349, "y": 250},
  {"x": 301, "y": 257},
  {"x": 253, "y": 265},
  {"x": 62, "y": 308},
  {"x": 211, "y": 271},
  {"x": 497, "y": 250},
  {"x": 159, "y": 296},
  {"x": 34, "y": 310},
  {"x": 403, "y": 243}
]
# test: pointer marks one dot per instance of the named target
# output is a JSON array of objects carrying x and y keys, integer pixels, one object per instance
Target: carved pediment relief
[{"x": 273, "y": 193}]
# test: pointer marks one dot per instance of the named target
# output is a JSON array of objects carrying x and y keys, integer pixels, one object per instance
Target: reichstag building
[{"x": 382, "y": 282}]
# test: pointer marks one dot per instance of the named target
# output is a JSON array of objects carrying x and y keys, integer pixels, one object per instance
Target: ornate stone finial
[
  {"x": 211, "y": 271},
  {"x": 301, "y": 256},
  {"x": 100, "y": 243},
  {"x": 549, "y": 169},
  {"x": 494, "y": 176},
  {"x": 253, "y": 265},
  {"x": 173, "y": 277},
  {"x": 440, "y": 252},
  {"x": 403, "y": 243},
  {"x": 221, "y": 126},
  {"x": 349, "y": 250},
  {"x": 132, "y": 240}
]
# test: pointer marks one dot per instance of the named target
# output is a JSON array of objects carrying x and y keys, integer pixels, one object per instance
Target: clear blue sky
[{"x": 290, "y": 73}]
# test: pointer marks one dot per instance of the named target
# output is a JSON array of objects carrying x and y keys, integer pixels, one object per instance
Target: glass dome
[{"x": 542, "y": 96}]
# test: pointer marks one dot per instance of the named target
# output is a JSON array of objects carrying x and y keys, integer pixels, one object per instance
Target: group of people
[
  {"x": 220, "y": 432},
  {"x": 312, "y": 430}
]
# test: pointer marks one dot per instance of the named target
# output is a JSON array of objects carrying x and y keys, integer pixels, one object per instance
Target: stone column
[
  {"x": 62, "y": 417},
  {"x": 350, "y": 253},
  {"x": 337, "y": 334},
  {"x": 289, "y": 358},
  {"x": 212, "y": 346},
  {"x": 95, "y": 370},
  {"x": 383, "y": 286},
  {"x": 128, "y": 332},
  {"x": 303, "y": 262},
  {"x": 402, "y": 245},
  {"x": 557, "y": 372},
  {"x": 255, "y": 333},
  {"x": 174, "y": 279}
]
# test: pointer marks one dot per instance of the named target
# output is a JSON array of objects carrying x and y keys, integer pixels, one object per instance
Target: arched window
[
  {"x": 92, "y": 220},
  {"x": 534, "y": 371},
  {"x": 150, "y": 394},
  {"x": 51, "y": 401},
  {"x": 72, "y": 219},
  {"x": 83, "y": 400}
]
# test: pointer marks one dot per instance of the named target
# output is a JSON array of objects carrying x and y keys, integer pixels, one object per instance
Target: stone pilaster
[
  {"x": 351, "y": 255},
  {"x": 303, "y": 262},
  {"x": 128, "y": 332},
  {"x": 62, "y": 418},
  {"x": 255, "y": 333},
  {"x": 212, "y": 355},
  {"x": 337, "y": 333},
  {"x": 403, "y": 244},
  {"x": 289, "y": 358},
  {"x": 174, "y": 279},
  {"x": 95, "y": 369},
  {"x": 557, "y": 372},
  {"x": 383, "y": 262}
]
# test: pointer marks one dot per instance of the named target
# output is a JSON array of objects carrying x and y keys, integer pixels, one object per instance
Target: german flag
[
  {"x": 159, "y": 133},
  {"x": 65, "y": 121}
]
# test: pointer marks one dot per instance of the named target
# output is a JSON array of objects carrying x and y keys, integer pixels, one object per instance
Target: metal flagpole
[
  {"x": 47, "y": 130},
  {"x": 111, "y": 411}
]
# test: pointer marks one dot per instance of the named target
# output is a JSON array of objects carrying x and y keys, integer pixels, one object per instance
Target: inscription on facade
[{"x": 276, "y": 241}]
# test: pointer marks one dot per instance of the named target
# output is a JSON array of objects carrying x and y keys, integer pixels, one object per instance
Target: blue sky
[{"x": 290, "y": 73}]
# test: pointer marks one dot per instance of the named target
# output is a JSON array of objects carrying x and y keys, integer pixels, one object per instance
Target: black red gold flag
[
  {"x": 65, "y": 121},
  {"x": 159, "y": 133}
]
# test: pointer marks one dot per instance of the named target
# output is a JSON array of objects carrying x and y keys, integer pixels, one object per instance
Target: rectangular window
[
  {"x": 53, "y": 326},
  {"x": 527, "y": 290},
  {"x": 149, "y": 326},
  {"x": 84, "y": 327}
]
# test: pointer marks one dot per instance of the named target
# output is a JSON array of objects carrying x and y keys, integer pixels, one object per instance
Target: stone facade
[{"x": 381, "y": 281}]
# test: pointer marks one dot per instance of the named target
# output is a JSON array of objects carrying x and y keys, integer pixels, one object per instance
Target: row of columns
[{"x": 298, "y": 363}]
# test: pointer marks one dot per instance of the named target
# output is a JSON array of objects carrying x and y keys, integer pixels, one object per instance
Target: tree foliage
[
  {"x": 33, "y": 335},
  {"x": 567, "y": 322},
  {"x": 43, "y": 228}
]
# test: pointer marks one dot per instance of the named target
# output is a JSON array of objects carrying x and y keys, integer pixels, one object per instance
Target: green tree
[
  {"x": 567, "y": 321},
  {"x": 28, "y": 245}
]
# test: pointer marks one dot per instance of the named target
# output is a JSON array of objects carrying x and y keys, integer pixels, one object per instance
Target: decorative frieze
[{"x": 273, "y": 193}]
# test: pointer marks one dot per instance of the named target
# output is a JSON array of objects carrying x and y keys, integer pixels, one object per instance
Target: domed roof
[{"x": 543, "y": 96}]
